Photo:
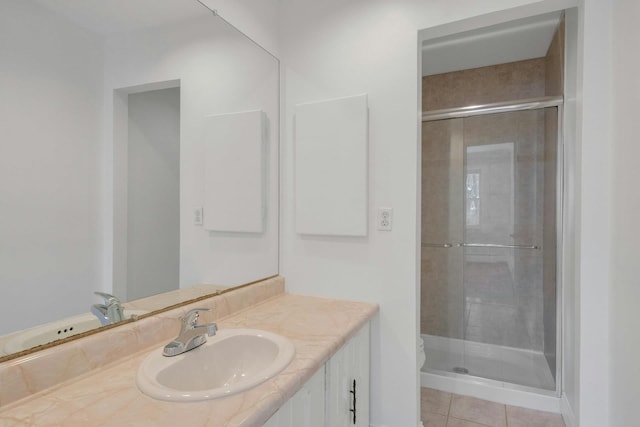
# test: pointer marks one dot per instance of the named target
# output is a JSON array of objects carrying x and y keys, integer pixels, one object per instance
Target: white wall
[
  {"x": 594, "y": 102},
  {"x": 625, "y": 268},
  {"x": 219, "y": 71},
  {"x": 571, "y": 227},
  {"x": 50, "y": 103},
  {"x": 336, "y": 48},
  {"x": 153, "y": 193}
]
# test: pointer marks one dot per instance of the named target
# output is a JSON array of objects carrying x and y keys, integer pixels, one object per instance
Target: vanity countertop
[{"x": 109, "y": 396}]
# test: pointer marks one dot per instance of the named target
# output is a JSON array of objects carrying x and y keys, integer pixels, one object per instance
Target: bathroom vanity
[
  {"x": 338, "y": 393},
  {"x": 325, "y": 384}
]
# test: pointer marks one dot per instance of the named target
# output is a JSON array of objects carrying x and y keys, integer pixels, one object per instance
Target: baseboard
[{"x": 567, "y": 412}]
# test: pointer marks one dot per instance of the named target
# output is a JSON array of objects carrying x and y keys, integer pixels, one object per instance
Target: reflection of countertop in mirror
[
  {"x": 178, "y": 296},
  {"x": 53, "y": 331},
  {"x": 316, "y": 326},
  {"x": 12, "y": 343}
]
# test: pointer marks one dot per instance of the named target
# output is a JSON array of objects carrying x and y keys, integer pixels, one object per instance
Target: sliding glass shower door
[{"x": 489, "y": 246}]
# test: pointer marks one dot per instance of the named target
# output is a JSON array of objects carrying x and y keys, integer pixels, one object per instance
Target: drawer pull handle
[{"x": 353, "y": 409}]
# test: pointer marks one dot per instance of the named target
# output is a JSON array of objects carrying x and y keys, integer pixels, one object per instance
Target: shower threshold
[
  {"x": 501, "y": 374},
  {"x": 505, "y": 364}
]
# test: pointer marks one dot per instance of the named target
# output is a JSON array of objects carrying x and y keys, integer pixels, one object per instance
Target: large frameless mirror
[{"x": 138, "y": 160}]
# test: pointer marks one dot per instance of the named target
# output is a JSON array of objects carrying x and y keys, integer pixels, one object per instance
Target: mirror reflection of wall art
[{"x": 234, "y": 152}]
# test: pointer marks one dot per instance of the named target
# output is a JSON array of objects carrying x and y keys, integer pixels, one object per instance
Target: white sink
[
  {"x": 57, "y": 330},
  {"x": 232, "y": 361}
]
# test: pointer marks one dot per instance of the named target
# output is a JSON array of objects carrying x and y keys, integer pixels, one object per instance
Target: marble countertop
[{"x": 108, "y": 396}]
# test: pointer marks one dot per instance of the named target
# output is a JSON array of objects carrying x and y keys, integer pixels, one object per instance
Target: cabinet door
[
  {"x": 305, "y": 408},
  {"x": 347, "y": 383}
]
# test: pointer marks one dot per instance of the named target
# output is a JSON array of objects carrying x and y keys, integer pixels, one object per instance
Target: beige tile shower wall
[
  {"x": 509, "y": 302},
  {"x": 554, "y": 63},
  {"x": 444, "y": 309},
  {"x": 478, "y": 304},
  {"x": 485, "y": 85},
  {"x": 442, "y": 297}
]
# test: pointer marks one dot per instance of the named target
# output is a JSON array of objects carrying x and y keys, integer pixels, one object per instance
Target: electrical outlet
[
  {"x": 197, "y": 216},
  {"x": 385, "y": 219}
]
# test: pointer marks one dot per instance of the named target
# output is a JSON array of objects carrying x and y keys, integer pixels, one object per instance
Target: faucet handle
[
  {"x": 190, "y": 320},
  {"x": 108, "y": 298}
]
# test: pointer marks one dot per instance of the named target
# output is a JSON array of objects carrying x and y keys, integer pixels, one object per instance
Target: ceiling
[
  {"x": 119, "y": 16},
  {"x": 512, "y": 41}
]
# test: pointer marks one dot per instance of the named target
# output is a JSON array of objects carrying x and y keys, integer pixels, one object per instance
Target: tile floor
[{"x": 440, "y": 409}]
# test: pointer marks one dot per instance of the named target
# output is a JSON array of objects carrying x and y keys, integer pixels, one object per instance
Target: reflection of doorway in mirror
[{"x": 153, "y": 193}]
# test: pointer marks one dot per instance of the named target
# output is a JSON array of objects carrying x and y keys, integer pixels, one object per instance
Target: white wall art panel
[
  {"x": 331, "y": 167},
  {"x": 234, "y": 166}
]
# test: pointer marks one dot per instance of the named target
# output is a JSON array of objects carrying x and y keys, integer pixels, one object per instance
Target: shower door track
[{"x": 498, "y": 107}]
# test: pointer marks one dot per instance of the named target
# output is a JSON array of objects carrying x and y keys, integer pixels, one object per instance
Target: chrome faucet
[
  {"x": 109, "y": 312},
  {"x": 191, "y": 334}
]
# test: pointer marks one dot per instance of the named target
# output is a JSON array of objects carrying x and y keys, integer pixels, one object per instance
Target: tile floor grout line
[
  {"x": 470, "y": 421},
  {"x": 476, "y": 421}
]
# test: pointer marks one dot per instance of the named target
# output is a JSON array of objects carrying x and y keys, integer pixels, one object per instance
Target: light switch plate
[{"x": 197, "y": 216}]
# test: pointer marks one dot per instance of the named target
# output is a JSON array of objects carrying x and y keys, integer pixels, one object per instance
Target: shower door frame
[{"x": 521, "y": 105}]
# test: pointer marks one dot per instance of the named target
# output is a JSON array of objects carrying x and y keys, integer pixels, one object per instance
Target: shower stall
[{"x": 491, "y": 202}]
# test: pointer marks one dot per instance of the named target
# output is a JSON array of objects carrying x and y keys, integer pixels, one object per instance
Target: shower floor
[{"x": 494, "y": 362}]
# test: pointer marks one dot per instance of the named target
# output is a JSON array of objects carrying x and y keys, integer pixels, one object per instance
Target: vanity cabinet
[
  {"x": 306, "y": 407},
  {"x": 347, "y": 383},
  {"x": 337, "y": 395}
]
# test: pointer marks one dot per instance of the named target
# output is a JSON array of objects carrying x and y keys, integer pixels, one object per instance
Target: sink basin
[
  {"x": 232, "y": 361},
  {"x": 57, "y": 330}
]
